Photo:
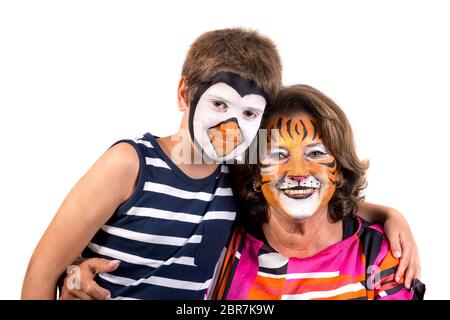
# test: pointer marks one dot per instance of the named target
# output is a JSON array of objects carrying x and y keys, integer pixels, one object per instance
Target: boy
[{"x": 167, "y": 222}]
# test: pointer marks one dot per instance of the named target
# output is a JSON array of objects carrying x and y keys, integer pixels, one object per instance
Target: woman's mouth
[{"x": 299, "y": 193}]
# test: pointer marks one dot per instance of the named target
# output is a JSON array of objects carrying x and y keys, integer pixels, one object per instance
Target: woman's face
[{"x": 298, "y": 174}]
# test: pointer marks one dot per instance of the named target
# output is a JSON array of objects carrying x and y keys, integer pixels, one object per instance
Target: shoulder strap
[{"x": 238, "y": 235}]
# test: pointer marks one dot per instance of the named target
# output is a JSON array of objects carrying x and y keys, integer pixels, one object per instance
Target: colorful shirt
[
  {"x": 359, "y": 267},
  {"x": 169, "y": 234}
]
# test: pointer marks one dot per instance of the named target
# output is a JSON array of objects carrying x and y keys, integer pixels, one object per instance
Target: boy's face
[
  {"x": 298, "y": 174},
  {"x": 225, "y": 116}
]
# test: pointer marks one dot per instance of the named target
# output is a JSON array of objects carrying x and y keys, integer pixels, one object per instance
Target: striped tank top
[{"x": 169, "y": 234}]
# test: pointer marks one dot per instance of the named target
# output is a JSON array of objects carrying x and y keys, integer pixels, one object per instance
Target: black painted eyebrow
[
  {"x": 279, "y": 124},
  {"x": 305, "y": 131},
  {"x": 288, "y": 128},
  {"x": 315, "y": 128},
  {"x": 296, "y": 129}
]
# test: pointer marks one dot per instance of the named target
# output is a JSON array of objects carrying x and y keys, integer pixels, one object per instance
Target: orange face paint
[
  {"x": 298, "y": 174},
  {"x": 225, "y": 136}
]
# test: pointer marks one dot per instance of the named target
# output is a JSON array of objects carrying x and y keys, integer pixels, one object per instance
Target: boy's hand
[
  {"x": 79, "y": 283},
  {"x": 403, "y": 246}
]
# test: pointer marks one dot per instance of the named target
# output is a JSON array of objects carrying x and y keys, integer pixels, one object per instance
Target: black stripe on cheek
[
  {"x": 331, "y": 164},
  {"x": 333, "y": 182},
  {"x": 288, "y": 128},
  {"x": 315, "y": 129},
  {"x": 263, "y": 182},
  {"x": 266, "y": 165},
  {"x": 305, "y": 131},
  {"x": 333, "y": 172},
  {"x": 279, "y": 123}
]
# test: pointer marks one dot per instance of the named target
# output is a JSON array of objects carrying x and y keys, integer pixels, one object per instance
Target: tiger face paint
[
  {"x": 298, "y": 174},
  {"x": 225, "y": 116}
]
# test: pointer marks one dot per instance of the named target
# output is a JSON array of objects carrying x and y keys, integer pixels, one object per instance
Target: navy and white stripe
[{"x": 169, "y": 234}]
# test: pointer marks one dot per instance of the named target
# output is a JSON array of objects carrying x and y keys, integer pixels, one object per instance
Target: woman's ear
[{"x": 182, "y": 96}]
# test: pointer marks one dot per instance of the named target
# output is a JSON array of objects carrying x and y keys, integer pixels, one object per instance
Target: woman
[{"x": 301, "y": 238}]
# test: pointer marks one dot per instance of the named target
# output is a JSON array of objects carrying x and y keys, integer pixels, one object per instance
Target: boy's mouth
[{"x": 299, "y": 193}]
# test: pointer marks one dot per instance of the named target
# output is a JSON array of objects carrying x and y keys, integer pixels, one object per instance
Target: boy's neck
[{"x": 180, "y": 149}]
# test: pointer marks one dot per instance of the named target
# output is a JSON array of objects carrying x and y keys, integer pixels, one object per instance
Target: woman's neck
[{"x": 303, "y": 238}]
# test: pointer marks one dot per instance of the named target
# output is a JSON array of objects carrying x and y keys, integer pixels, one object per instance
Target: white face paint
[
  {"x": 291, "y": 199},
  {"x": 225, "y": 123}
]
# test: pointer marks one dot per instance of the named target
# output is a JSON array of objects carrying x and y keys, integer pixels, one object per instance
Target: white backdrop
[{"x": 75, "y": 76}]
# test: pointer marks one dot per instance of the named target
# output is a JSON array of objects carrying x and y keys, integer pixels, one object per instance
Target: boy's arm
[
  {"x": 400, "y": 237},
  {"x": 87, "y": 207}
]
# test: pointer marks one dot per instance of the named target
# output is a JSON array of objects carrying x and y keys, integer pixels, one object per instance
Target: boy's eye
[
  {"x": 250, "y": 114},
  {"x": 220, "y": 105}
]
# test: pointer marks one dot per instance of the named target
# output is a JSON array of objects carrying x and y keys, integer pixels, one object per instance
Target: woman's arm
[
  {"x": 400, "y": 237},
  {"x": 92, "y": 201}
]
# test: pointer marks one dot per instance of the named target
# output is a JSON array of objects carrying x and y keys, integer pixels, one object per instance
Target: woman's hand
[{"x": 403, "y": 246}]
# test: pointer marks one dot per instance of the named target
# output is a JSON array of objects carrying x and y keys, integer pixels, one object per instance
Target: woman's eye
[
  {"x": 250, "y": 114},
  {"x": 220, "y": 105},
  {"x": 278, "y": 156},
  {"x": 317, "y": 154}
]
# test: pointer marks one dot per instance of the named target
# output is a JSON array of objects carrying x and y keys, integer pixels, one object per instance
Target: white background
[{"x": 76, "y": 76}]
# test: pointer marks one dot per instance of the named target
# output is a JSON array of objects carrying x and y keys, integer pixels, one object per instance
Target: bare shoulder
[
  {"x": 117, "y": 169},
  {"x": 124, "y": 156}
]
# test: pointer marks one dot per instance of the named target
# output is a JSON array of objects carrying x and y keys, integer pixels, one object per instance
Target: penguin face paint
[{"x": 225, "y": 116}]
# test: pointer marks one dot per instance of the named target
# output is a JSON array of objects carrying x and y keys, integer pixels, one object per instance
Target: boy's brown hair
[{"x": 245, "y": 52}]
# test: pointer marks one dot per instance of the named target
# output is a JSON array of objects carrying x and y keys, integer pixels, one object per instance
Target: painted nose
[
  {"x": 230, "y": 128},
  {"x": 225, "y": 136},
  {"x": 298, "y": 178}
]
